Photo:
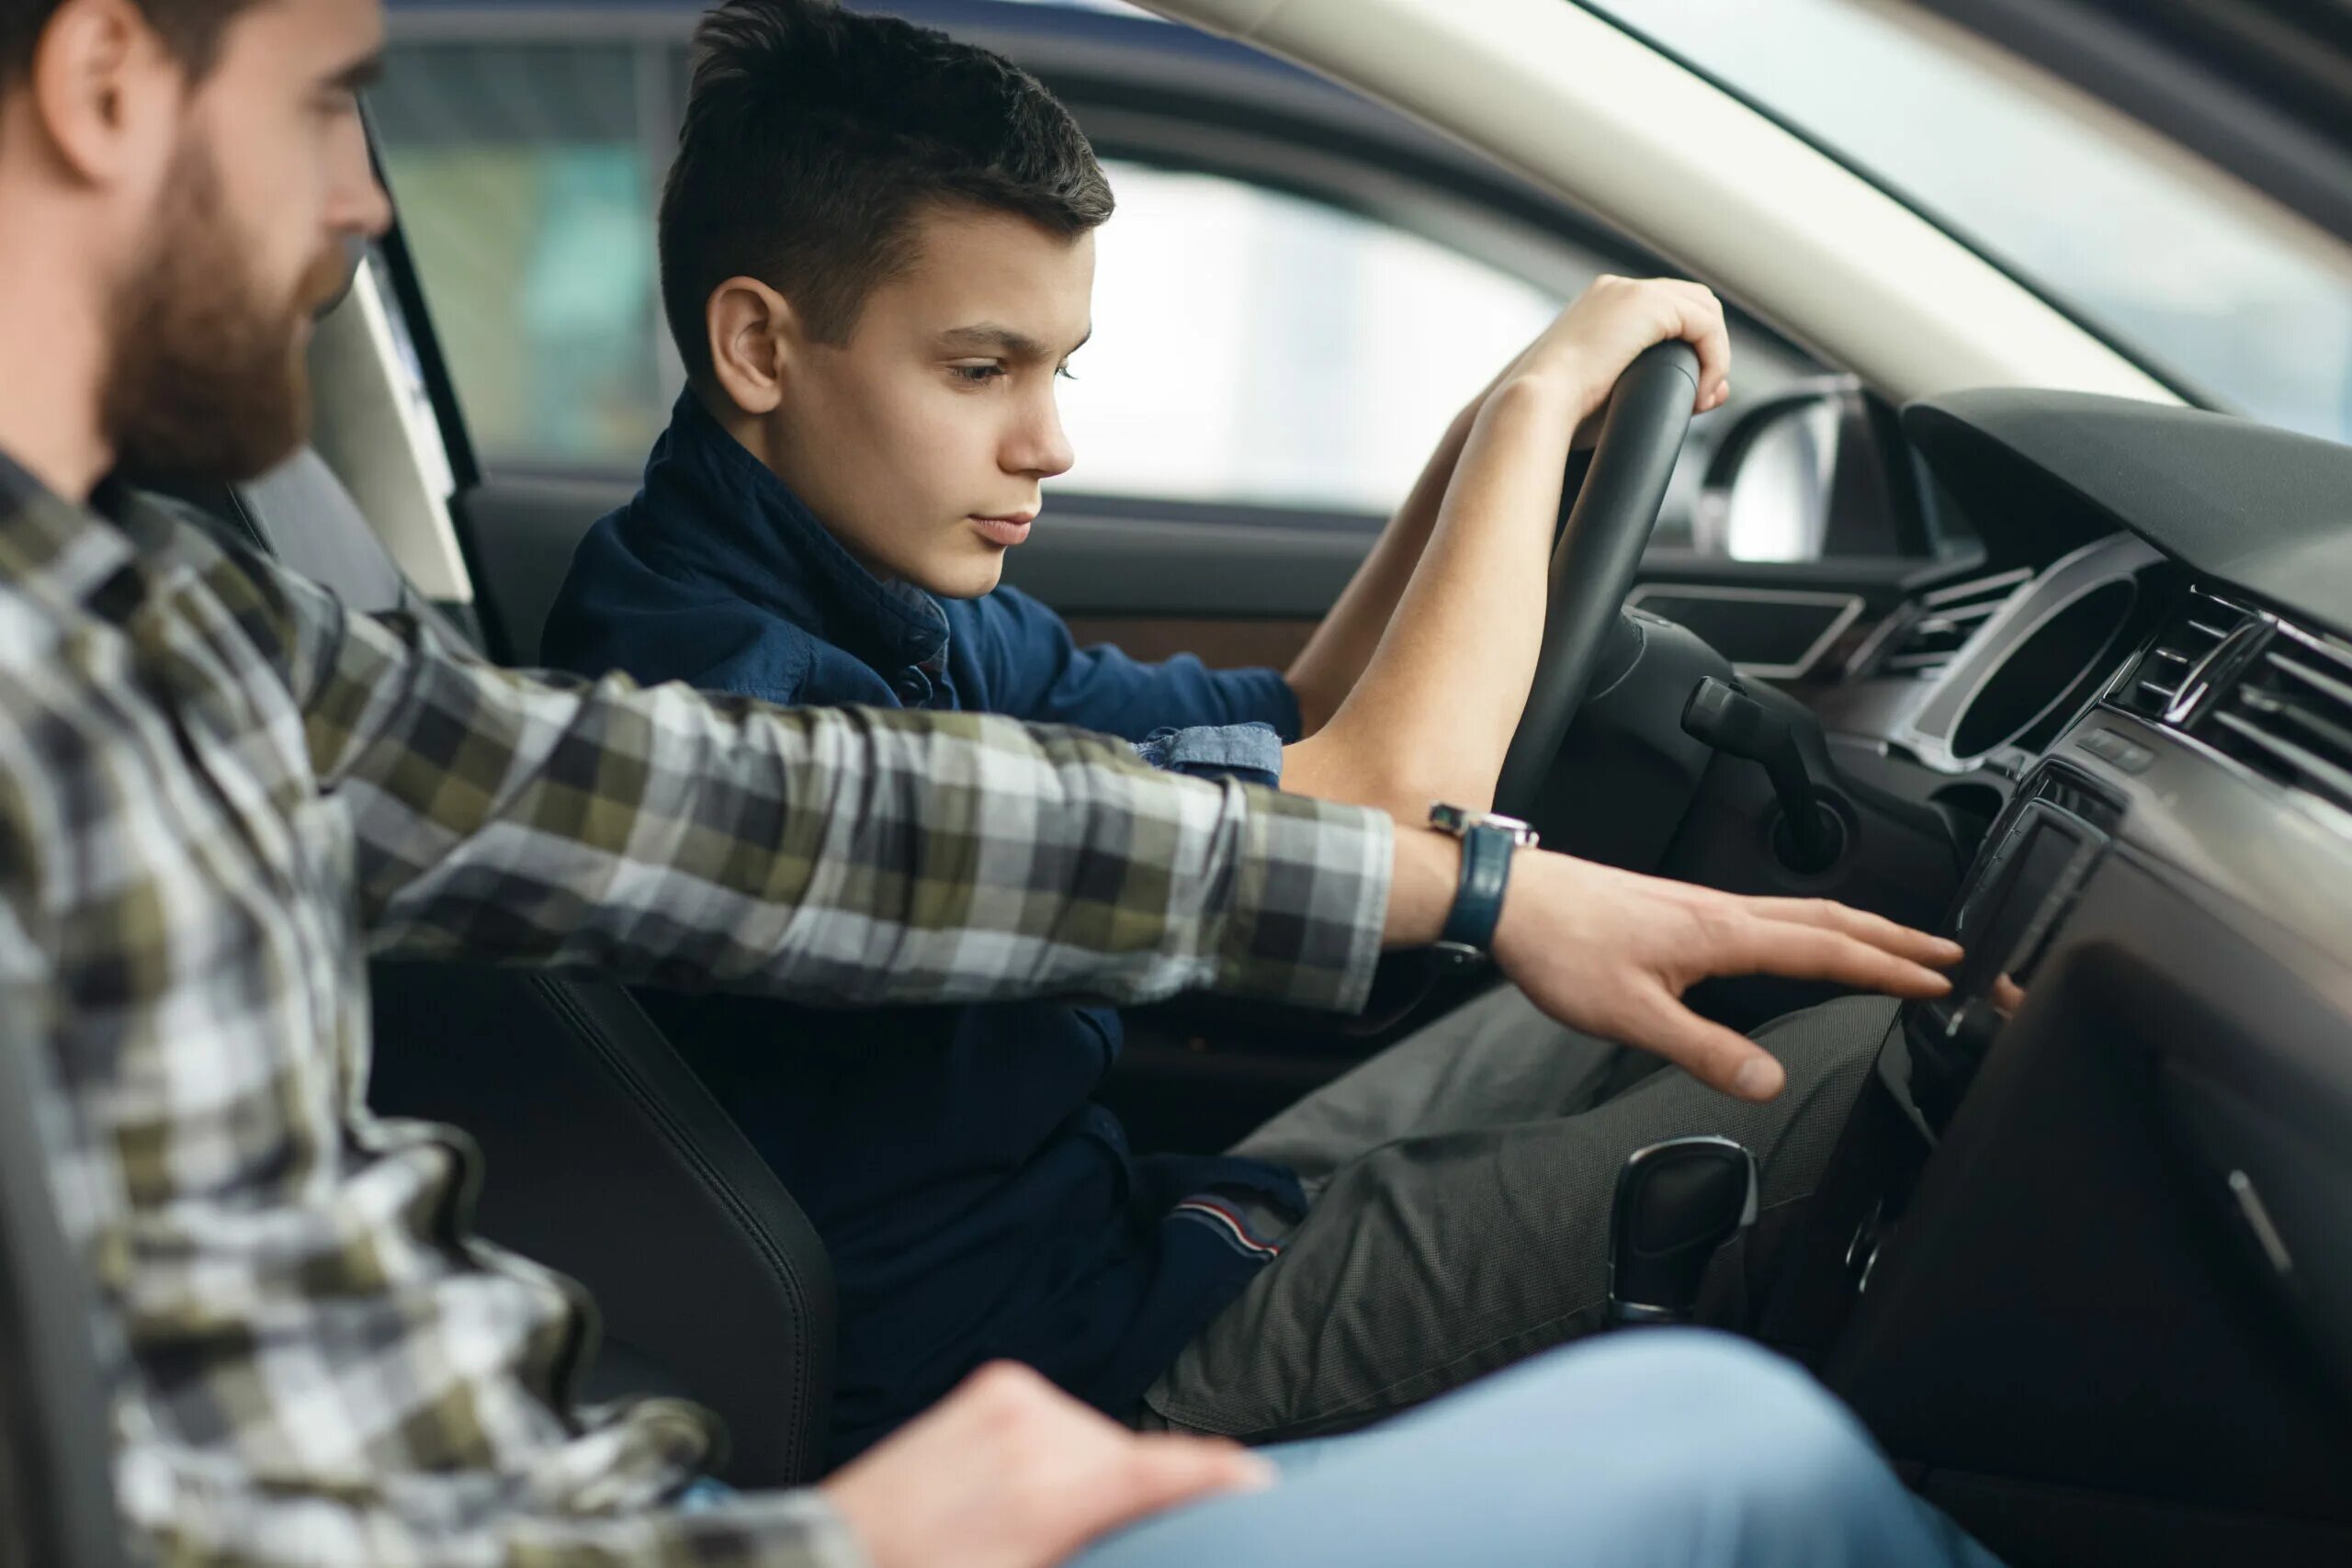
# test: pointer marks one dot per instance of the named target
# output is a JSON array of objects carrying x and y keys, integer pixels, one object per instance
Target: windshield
[{"x": 2206, "y": 282}]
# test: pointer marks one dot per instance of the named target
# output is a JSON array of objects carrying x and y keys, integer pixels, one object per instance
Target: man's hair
[
  {"x": 814, "y": 136},
  {"x": 191, "y": 30}
]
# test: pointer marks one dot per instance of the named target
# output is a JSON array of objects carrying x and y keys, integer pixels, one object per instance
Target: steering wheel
[{"x": 1600, "y": 547}]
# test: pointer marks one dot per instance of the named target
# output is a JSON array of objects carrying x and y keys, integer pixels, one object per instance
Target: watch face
[{"x": 1459, "y": 819}]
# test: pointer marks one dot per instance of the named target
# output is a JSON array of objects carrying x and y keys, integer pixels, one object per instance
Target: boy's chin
[{"x": 965, "y": 576}]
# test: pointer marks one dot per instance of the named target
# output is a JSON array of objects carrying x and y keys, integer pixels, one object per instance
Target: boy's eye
[
  {"x": 1064, "y": 372},
  {"x": 973, "y": 375}
]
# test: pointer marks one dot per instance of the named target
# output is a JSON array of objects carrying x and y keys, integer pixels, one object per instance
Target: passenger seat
[{"x": 606, "y": 1157}]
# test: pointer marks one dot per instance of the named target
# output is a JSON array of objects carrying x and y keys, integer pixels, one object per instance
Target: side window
[
  {"x": 527, "y": 176},
  {"x": 1259, "y": 348},
  {"x": 1252, "y": 348}
]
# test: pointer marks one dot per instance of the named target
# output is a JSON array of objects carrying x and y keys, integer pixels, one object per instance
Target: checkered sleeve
[
  {"x": 835, "y": 855},
  {"x": 210, "y": 1523}
]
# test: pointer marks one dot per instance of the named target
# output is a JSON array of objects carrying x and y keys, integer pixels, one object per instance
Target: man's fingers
[
  {"x": 1919, "y": 946},
  {"x": 1163, "y": 1470},
  {"x": 1721, "y": 1058},
  {"x": 2007, "y": 996},
  {"x": 1757, "y": 946}
]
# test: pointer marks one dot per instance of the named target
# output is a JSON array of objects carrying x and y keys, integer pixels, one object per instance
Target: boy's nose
[{"x": 1044, "y": 448}]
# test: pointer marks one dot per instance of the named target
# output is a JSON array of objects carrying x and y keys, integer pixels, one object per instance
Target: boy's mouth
[{"x": 1007, "y": 530}]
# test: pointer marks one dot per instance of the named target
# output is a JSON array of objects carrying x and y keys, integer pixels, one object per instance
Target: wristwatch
[{"x": 1488, "y": 841}]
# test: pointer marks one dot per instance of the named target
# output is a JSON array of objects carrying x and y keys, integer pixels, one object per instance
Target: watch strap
[{"x": 1478, "y": 898}]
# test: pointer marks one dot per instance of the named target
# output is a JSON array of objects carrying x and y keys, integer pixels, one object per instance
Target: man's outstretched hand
[
  {"x": 1009, "y": 1471},
  {"x": 1611, "y": 952}
]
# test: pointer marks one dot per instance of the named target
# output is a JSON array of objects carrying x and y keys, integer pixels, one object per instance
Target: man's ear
[
  {"x": 107, "y": 91},
  {"x": 755, "y": 336}
]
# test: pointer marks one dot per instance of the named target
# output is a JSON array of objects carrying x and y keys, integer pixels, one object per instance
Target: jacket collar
[{"x": 710, "y": 509}]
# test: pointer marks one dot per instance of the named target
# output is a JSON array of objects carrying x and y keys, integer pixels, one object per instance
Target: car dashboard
[{"x": 2083, "y": 1260}]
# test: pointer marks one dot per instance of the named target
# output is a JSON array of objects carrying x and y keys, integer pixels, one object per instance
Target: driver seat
[{"x": 605, "y": 1156}]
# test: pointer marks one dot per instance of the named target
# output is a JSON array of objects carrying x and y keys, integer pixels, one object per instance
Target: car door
[{"x": 1299, "y": 290}]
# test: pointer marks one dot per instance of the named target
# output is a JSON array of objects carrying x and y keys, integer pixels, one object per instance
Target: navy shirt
[{"x": 974, "y": 1201}]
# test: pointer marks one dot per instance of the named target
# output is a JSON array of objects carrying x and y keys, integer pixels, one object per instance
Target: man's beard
[{"x": 208, "y": 382}]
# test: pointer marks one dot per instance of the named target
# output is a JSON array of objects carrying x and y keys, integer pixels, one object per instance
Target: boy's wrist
[{"x": 1553, "y": 388}]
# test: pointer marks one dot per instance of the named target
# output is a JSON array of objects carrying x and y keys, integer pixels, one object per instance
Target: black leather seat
[
  {"x": 56, "y": 1473},
  {"x": 606, "y": 1157},
  {"x": 521, "y": 555}
]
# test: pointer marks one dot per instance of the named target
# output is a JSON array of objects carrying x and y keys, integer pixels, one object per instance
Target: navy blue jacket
[{"x": 974, "y": 1201}]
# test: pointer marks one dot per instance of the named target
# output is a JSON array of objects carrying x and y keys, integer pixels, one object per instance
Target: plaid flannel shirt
[{"x": 218, "y": 791}]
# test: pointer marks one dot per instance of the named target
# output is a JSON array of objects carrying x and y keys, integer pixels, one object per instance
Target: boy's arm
[
  {"x": 1335, "y": 657},
  {"x": 1446, "y": 632}
]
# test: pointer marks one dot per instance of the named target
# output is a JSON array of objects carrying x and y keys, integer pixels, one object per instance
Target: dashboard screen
[
  {"x": 2005, "y": 920},
  {"x": 1995, "y": 923}
]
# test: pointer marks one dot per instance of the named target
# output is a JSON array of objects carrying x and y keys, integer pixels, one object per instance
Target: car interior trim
[
  {"x": 1933, "y": 729},
  {"x": 1606, "y": 121},
  {"x": 1847, "y": 607},
  {"x": 364, "y": 385}
]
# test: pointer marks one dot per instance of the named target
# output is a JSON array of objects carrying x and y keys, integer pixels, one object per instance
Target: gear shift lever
[{"x": 1677, "y": 1203}]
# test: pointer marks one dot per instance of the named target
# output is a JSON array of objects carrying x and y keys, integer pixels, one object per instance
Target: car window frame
[{"x": 1194, "y": 103}]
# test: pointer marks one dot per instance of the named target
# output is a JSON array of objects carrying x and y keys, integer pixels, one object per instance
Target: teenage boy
[
  {"x": 217, "y": 789},
  {"x": 878, "y": 255}
]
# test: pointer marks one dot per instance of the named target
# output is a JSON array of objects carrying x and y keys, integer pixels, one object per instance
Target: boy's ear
[{"x": 753, "y": 333}]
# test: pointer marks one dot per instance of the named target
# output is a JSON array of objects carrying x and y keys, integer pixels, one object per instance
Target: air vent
[
  {"x": 1939, "y": 623},
  {"x": 2179, "y": 653},
  {"x": 2289, "y": 715}
]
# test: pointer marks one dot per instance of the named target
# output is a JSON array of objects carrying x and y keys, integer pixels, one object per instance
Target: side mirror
[
  {"x": 1819, "y": 470},
  {"x": 1768, "y": 491}
]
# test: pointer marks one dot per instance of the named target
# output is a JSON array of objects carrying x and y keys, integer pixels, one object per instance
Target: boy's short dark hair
[
  {"x": 813, "y": 136},
  {"x": 191, "y": 30}
]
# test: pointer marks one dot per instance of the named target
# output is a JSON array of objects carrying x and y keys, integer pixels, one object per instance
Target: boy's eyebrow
[{"x": 1008, "y": 341}]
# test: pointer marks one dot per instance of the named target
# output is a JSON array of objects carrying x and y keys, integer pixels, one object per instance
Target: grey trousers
[{"x": 1461, "y": 1184}]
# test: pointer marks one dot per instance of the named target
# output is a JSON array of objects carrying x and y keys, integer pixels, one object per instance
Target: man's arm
[
  {"x": 1424, "y": 664},
  {"x": 856, "y": 856},
  {"x": 837, "y": 855}
]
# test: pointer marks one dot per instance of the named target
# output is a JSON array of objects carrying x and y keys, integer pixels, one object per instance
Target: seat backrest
[
  {"x": 520, "y": 541},
  {"x": 56, "y": 1454},
  {"x": 606, "y": 1157}
]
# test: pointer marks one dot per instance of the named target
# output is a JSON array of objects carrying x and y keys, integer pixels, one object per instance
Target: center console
[
  {"x": 2067, "y": 1261},
  {"x": 2037, "y": 859}
]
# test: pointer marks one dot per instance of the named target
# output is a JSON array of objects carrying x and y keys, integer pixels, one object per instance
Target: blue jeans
[{"x": 1661, "y": 1448}]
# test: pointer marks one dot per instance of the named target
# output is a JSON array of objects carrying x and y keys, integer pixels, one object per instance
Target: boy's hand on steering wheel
[
  {"x": 1611, "y": 952},
  {"x": 1612, "y": 322}
]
